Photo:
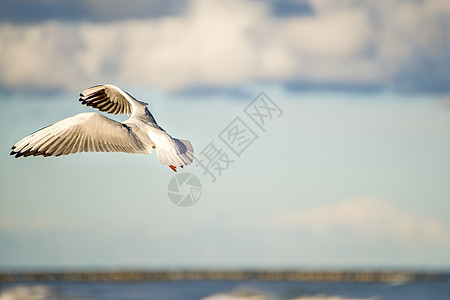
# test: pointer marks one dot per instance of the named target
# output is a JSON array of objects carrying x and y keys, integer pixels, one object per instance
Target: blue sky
[{"x": 354, "y": 173}]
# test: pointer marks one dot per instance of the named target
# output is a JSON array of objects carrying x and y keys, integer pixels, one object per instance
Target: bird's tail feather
[{"x": 180, "y": 154}]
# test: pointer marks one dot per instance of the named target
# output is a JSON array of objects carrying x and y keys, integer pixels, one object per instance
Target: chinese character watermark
[
  {"x": 238, "y": 136},
  {"x": 213, "y": 161},
  {"x": 262, "y": 110},
  {"x": 219, "y": 154}
]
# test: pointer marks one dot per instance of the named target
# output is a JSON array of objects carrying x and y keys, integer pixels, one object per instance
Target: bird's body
[{"x": 93, "y": 132}]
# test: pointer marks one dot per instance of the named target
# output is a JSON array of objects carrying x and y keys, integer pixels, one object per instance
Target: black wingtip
[
  {"x": 27, "y": 153},
  {"x": 13, "y": 152}
]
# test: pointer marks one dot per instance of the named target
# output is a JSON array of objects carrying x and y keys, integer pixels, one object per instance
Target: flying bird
[{"x": 93, "y": 132}]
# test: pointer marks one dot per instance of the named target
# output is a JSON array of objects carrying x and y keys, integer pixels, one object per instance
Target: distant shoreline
[{"x": 291, "y": 275}]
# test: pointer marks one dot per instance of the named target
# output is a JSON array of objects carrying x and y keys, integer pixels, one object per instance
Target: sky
[{"x": 351, "y": 170}]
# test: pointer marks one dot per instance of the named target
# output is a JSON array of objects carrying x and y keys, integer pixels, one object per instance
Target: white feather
[{"x": 92, "y": 132}]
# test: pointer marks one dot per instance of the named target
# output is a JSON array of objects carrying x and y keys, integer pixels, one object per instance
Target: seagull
[{"x": 93, "y": 132}]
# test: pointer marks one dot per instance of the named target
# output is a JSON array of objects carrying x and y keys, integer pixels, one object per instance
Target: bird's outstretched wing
[
  {"x": 86, "y": 132},
  {"x": 109, "y": 98}
]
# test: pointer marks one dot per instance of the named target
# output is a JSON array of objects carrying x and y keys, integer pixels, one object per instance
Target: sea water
[{"x": 225, "y": 290}]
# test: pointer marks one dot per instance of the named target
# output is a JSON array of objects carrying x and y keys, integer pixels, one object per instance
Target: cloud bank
[
  {"x": 368, "y": 224},
  {"x": 359, "y": 232},
  {"x": 344, "y": 44}
]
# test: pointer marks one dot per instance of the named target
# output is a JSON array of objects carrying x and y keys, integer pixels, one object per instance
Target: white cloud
[
  {"x": 6, "y": 222},
  {"x": 366, "y": 219},
  {"x": 38, "y": 224},
  {"x": 222, "y": 43},
  {"x": 444, "y": 100}
]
